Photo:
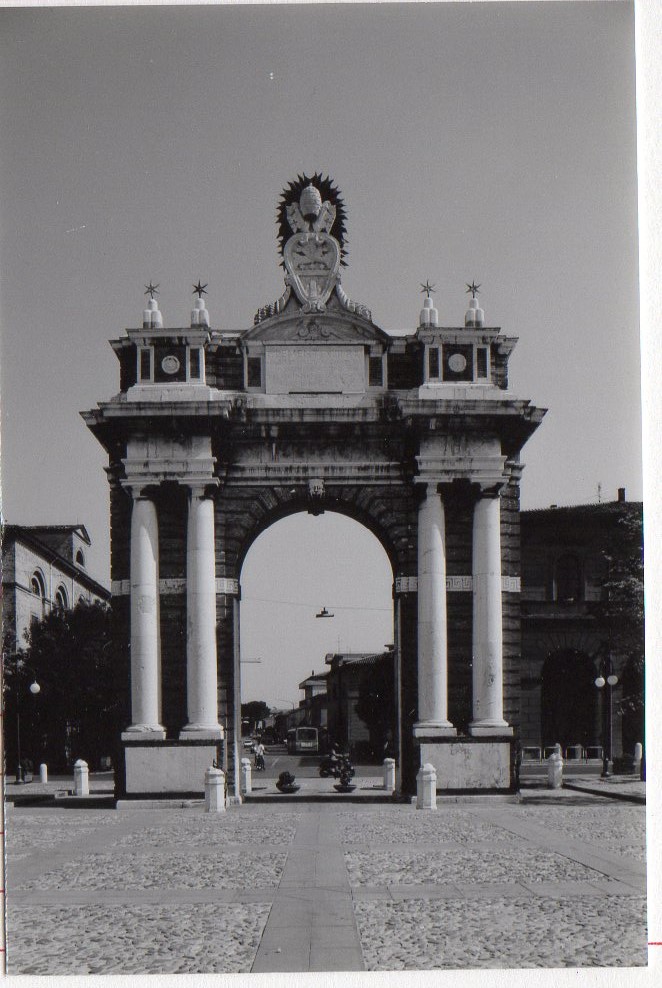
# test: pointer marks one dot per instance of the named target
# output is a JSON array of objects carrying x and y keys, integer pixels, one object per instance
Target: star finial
[
  {"x": 151, "y": 290},
  {"x": 200, "y": 289},
  {"x": 427, "y": 288},
  {"x": 473, "y": 288}
]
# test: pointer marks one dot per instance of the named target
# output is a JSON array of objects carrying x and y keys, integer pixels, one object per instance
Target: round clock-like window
[
  {"x": 170, "y": 364},
  {"x": 457, "y": 362}
]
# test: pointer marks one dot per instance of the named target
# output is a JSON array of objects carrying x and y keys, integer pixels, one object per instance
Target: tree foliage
[
  {"x": 255, "y": 711},
  {"x": 82, "y": 704},
  {"x": 621, "y": 612}
]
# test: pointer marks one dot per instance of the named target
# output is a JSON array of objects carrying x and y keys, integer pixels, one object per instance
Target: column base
[
  {"x": 434, "y": 729},
  {"x": 471, "y": 764},
  {"x": 155, "y": 769},
  {"x": 206, "y": 732},
  {"x": 490, "y": 729},
  {"x": 143, "y": 732}
]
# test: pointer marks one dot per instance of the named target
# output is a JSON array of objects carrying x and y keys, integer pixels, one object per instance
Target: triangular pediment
[{"x": 334, "y": 326}]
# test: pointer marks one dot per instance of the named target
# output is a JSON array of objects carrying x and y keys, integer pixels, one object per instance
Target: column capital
[
  {"x": 489, "y": 491},
  {"x": 203, "y": 489},
  {"x": 138, "y": 489}
]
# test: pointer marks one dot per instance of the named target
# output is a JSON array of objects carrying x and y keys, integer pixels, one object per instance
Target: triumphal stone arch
[{"x": 215, "y": 434}]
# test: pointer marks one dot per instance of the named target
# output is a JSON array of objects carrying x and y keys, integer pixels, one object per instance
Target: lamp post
[
  {"x": 607, "y": 680},
  {"x": 34, "y": 689}
]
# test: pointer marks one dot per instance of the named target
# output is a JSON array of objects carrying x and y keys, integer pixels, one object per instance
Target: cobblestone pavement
[{"x": 558, "y": 882}]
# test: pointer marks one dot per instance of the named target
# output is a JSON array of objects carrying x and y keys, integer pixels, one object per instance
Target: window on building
[
  {"x": 433, "y": 363},
  {"x": 38, "y": 588},
  {"x": 568, "y": 583},
  {"x": 145, "y": 364},
  {"x": 254, "y": 372},
  {"x": 194, "y": 363},
  {"x": 80, "y": 558},
  {"x": 481, "y": 363},
  {"x": 375, "y": 372},
  {"x": 61, "y": 599}
]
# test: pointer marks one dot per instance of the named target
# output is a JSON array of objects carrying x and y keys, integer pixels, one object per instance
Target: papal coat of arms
[
  {"x": 311, "y": 235},
  {"x": 311, "y": 256}
]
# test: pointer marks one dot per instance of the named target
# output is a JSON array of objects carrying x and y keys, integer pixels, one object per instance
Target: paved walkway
[{"x": 556, "y": 880}]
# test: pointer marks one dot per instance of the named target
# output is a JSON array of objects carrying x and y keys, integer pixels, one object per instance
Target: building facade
[
  {"x": 216, "y": 434},
  {"x": 582, "y": 604},
  {"x": 43, "y": 569}
]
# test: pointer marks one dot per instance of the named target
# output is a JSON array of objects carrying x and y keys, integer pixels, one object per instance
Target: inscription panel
[{"x": 315, "y": 369}]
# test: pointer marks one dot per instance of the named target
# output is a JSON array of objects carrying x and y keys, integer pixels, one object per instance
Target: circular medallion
[
  {"x": 457, "y": 362},
  {"x": 170, "y": 364}
]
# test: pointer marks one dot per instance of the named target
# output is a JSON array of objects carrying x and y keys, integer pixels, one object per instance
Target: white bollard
[
  {"x": 214, "y": 790},
  {"x": 426, "y": 788},
  {"x": 555, "y": 769},
  {"x": 81, "y": 778},
  {"x": 246, "y": 776},
  {"x": 389, "y": 774},
  {"x": 638, "y": 755},
  {"x": 43, "y": 773}
]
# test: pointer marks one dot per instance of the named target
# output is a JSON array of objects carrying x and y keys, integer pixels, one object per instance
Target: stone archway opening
[{"x": 297, "y": 568}]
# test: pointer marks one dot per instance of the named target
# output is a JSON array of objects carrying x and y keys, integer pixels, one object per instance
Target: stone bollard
[
  {"x": 389, "y": 774},
  {"x": 81, "y": 778},
  {"x": 214, "y": 790},
  {"x": 638, "y": 754},
  {"x": 43, "y": 773},
  {"x": 246, "y": 776},
  {"x": 555, "y": 769},
  {"x": 426, "y": 788}
]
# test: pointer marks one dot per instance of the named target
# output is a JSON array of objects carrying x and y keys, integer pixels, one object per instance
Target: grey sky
[{"x": 494, "y": 142}]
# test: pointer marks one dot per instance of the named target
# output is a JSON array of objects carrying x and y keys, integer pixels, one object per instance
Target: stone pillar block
[
  {"x": 214, "y": 790},
  {"x": 555, "y": 769},
  {"x": 81, "y": 778},
  {"x": 426, "y": 788},
  {"x": 43, "y": 773},
  {"x": 389, "y": 774},
  {"x": 246, "y": 776}
]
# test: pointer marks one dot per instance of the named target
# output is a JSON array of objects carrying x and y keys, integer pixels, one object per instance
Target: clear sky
[{"x": 493, "y": 142}]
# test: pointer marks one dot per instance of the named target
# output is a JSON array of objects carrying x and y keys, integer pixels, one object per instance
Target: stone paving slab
[{"x": 318, "y": 914}]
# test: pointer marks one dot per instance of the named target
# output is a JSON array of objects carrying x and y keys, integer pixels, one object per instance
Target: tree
[
  {"x": 621, "y": 613},
  {"x": 376, "y": 704},
  {"x": 82, "y": 704},
  {"x": 254, "y": 711}
]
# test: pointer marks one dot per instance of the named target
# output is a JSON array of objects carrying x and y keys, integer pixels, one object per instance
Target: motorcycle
[{"x": 336, "y": 766}]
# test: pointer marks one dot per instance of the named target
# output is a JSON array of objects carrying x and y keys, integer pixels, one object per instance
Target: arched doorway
[
  {"x": 331, "y": 604},
  {"x": 568, "y": 699}
]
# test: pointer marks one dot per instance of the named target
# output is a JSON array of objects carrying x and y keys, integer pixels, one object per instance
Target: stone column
[
  {"x": 201, "y": 666},
  {"x": 144, "y": 589},
  {"x": 432, "y": 639},
  {"x": 487, "y": 620}
]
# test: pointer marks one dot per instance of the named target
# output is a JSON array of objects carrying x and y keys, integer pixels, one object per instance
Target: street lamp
[
  {"x": 34, "y": 689},
  {"x": 607, "y": 680}
]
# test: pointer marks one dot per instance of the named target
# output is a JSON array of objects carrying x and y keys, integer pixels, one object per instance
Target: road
[
  {"x": 307, "y": 766},
  {"x": 277, "y": 760}
]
